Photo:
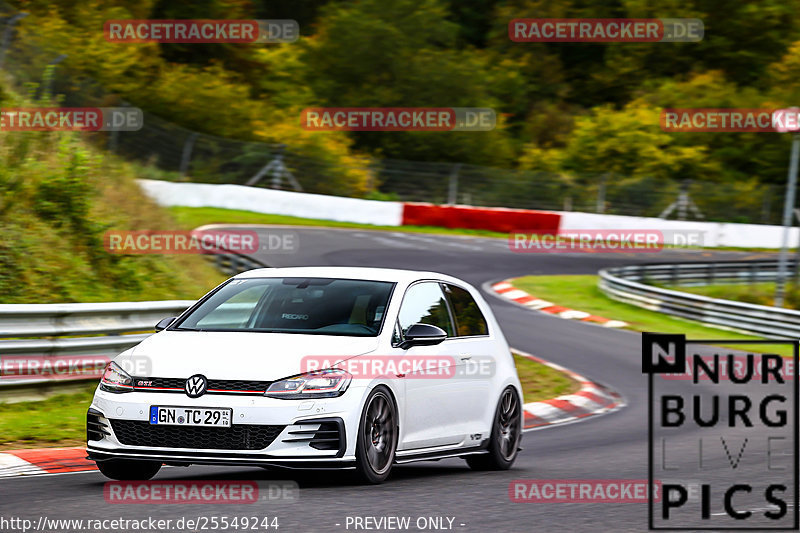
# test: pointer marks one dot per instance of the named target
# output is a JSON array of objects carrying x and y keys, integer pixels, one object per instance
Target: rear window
[
  {"x": 469, "y": 319},
  {"x": 322, "y": 306}
]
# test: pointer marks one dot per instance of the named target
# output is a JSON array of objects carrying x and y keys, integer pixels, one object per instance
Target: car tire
[
  {"x": 376, "y": 441},
  {"x": 126, "y": 470},
  {"x": 505, "y": 436}
]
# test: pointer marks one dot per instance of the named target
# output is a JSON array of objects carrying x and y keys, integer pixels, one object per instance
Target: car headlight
[
  {"x": 317, "y": 384},
  {"x": 115, "y": 379}
]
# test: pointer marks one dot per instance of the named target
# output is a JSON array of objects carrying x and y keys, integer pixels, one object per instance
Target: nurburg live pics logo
[{"x": 726, "y": 439}]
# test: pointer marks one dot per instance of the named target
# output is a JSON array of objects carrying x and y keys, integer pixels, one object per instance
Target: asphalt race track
[{"x": 612, "y": 446}]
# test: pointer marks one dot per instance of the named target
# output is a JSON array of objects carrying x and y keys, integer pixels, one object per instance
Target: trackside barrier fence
[
  {"x": 634, "y": 285},
  {"x": 53, "y": 331}
]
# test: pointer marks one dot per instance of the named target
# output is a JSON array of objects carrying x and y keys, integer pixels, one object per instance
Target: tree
[{"x": 400, "y": 53}]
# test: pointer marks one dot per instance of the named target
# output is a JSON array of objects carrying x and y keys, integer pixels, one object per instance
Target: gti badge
[{"x": 196, "y": 386}]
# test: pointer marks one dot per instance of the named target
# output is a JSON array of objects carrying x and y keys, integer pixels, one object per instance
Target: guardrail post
[
  {"x": 186, "y": 155},
  {"x": 787, "y": 219},
  {"x": 48, "y": 75},
  {"x": 452, "y": 189},
  {"x": 7, "y": 35},
  {"x": 601, "y": 194}
]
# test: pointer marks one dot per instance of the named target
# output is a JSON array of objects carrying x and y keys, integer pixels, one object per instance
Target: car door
[
  {"x": 476, "y": 364},
  {"x": 431, "y": 414}
]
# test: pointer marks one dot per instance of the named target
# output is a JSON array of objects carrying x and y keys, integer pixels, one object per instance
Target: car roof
[{"x": 368, "y": 273}]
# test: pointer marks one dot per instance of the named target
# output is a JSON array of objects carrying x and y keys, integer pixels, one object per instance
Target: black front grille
[
  {"x": 161, "y": 383},
  {"x": 238, "y": 385},
  {"x": 236, "y": 437},
  {"x": 215, "y": 386}
]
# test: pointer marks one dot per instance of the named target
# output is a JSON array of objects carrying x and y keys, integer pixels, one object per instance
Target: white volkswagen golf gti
[{"x": 314, "y": 367}]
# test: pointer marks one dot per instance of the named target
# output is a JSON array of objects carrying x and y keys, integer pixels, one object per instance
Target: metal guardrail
[
  {"x": 693, "y": 274},
  {"x": 54, "y": 320},
  {"x": 631, "y": 284},
  {"x": 47, "y": 332},
  {"x": 48, "y": 359}
]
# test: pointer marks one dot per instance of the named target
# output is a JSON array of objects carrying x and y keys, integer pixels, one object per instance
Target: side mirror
[
  {"x": 165, "y": 322},
  {"x": 423, "y": 335}
]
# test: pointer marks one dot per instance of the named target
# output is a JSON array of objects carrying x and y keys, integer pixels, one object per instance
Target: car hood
[{"x": 236, "y": 355}]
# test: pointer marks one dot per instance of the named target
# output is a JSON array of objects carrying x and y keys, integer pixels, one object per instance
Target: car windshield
[{"x": 321, "y": 306}]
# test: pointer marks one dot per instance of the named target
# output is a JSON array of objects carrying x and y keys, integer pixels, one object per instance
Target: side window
[
  {"x": 469, "y": 319},
  {"x": 424, "y": 303}
]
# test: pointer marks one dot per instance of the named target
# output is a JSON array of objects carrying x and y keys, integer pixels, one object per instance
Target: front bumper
[
  {"x": 184, "y": 458},
  {"x": 316, "y": 433}
]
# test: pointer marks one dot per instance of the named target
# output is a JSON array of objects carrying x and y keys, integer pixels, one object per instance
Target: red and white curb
[
  {"x": 44, "y": 461},
  {"x": 507, "y": 290},
  {"x": 592, "y": 399}
]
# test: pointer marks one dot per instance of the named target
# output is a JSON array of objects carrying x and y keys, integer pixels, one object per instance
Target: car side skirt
[{"x": 411, "y": 457}]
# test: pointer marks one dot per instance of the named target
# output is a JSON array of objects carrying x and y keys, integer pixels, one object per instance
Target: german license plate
[{"x": 190, "y": 416}]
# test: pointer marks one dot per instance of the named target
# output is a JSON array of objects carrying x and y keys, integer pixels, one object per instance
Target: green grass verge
[
  {"x": 192, "y": 217},
  {"x": 56, "y": 421},
  {"x": 582, "y": 293},
  {"x": 61, "y": 420},
  {"x": 59, "y": 195},
  {"x": 540, "y": 382}
]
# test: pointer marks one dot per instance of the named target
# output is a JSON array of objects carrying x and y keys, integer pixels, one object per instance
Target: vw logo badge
[{"x": 196, "y": 386}]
